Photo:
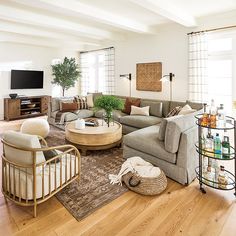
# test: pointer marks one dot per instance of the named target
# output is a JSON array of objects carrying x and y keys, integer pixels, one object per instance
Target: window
[
  {"x": 97, "y": 71},
  {"x": 212, "y": 65},
  {"x": 220, "y": 69}
]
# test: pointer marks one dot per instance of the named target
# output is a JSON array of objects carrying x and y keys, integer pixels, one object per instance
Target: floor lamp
[
  {"x": 168, "y": 77},
  {"x": 127, "y": 76}
]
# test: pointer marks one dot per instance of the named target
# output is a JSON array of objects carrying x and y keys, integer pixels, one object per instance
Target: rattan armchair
[{"x": 27, "y": 178}]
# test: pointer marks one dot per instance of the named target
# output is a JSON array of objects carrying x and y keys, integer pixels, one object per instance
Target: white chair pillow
[
  {"x": 143, "y": 111},
  {"x": 186, "y": 110}
]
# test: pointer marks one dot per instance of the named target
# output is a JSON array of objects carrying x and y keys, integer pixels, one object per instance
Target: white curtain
[
  {"x": 198, "y": 59},
  {"x": 98, "y": 71}
]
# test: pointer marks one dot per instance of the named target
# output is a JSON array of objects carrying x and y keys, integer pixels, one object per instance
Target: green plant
[
  {"x": 108, "y": 103},
  {"x": 65, "y": 74}
]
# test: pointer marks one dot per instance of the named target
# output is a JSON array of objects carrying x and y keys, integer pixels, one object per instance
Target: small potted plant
[{"x": 108, "y": 103}]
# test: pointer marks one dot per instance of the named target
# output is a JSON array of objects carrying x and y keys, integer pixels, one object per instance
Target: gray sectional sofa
[{"x": 165, "y": 142}]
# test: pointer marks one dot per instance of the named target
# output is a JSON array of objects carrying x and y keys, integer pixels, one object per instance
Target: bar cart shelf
[{"x": 230, "y": 124}]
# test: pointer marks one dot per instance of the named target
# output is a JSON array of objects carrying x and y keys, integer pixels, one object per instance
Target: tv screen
[{"x": 26, "y": 79}]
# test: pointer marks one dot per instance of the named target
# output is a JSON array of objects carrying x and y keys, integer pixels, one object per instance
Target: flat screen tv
[{"x": 26, "y": 79}]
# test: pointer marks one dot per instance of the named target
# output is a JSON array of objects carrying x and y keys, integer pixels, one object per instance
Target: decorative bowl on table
[{"x": 31, "y": 105}]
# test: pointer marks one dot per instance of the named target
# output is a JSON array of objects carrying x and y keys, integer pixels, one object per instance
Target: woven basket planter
[{"x": 145, "y": 185}]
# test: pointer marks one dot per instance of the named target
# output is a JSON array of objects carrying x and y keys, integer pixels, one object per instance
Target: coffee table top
[{"x": 101, "y": 129}]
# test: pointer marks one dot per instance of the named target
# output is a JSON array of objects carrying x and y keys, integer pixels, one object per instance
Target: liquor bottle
[
  {"x": 216, "y": 169},
  {"x": 205, "y": 116},
  {"x": 226, "y": 147},
  {"x": 222, "y": 178},
  {"x": 209, "y": 176},
  {"x": 209, "y": 144},
  {"x": 213, "y": 112},
  {"x": 221, "y": 116},
  {"x": 217, "y": 146}
]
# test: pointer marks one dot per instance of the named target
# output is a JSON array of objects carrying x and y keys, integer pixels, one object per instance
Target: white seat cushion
[{"x": 21, "y": 183}]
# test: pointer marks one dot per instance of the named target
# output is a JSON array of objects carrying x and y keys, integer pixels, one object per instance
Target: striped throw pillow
[
  {"x": 174, "y": 112},
  {"x": 82, "y": 102}
]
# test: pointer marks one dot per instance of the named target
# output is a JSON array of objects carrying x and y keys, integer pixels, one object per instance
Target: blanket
[
  {"x": 135, "y": 165},
  {"x": 60, "y": 117}
]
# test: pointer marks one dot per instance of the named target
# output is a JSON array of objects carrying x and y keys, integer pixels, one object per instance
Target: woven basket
[{"x": 145, "y": 185}]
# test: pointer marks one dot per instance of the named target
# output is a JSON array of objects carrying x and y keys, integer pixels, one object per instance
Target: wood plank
[{"x": 180, "y": 210}]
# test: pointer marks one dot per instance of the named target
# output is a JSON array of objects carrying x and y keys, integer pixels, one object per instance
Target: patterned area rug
[{"x": 81, "y": 198}]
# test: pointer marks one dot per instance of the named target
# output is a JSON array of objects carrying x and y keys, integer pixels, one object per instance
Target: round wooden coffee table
[{"x": 94, "y": 138}]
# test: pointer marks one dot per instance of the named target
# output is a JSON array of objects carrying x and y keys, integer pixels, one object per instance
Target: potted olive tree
[
  {"x": 108, "y": 103},
  {"x": 65, "y": 74}
]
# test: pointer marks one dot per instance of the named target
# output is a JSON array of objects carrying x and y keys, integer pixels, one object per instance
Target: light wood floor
[{"x": 179, "y": 210}]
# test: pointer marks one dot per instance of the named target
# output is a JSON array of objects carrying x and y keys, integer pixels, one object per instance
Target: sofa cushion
[
  {"x": 155, "y": 107},
  {"x": 129, "y": 102},
  {"x": 162, "y": 130},
  {"x": 118, "y": 114},
  {"x": 70, "y": 116},
  {"x": 145, "y": 140},
  {"x": 140, "y": 121},
  {"x": 84, "y": 113},
  {"x": 174, "y": 128},
  {"x": 142, "y": 111}
]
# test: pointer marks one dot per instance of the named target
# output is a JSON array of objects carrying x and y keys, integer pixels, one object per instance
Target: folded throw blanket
[
  {"x": 60, "y": 117},
  {"x": 138, "y": 166}
]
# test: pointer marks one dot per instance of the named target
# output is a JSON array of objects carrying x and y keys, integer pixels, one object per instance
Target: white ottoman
[{"x": 35, "y": 126}]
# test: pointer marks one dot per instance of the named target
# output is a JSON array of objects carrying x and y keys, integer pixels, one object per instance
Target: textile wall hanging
[{"x": 148, "y": 76}]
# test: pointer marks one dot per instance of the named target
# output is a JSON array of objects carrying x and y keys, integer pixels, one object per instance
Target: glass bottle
[
  {"x": 221, "y": 115},
  {"x": 222, "y": 178},
  {"x": 205, "y": 116},
  {"x": 209, "y": 176},
  {"x": 209, "y": 144},
  {"x": 213, "y": 113},
  {"x": 226, "y": 147},
  {"x": 217, "y": 146}
]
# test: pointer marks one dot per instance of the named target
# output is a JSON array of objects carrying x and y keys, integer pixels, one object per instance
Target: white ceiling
[{"x": 83, "y": 24}]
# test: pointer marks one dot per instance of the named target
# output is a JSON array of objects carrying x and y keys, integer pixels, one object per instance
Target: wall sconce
[
  {"x": 168, "y": 77},
  {"x": 127, "y": 76}
]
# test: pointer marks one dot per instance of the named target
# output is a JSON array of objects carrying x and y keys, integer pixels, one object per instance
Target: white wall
[
  {"x": 169, "y": 46},
  {"x": 21, "y": 56}
]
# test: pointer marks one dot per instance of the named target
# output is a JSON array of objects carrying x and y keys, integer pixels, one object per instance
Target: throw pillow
[
  {"x": 64, "y": 100},
  {"x": 174, "y": 112},
  {"x": 82, "y": 102},
  {"x": 50, "y": 154},
  {"x": 89, "y": 99},
  {"x": 142, "y": 111},
  {"x": 66, "y": 106},
  {"x": 131, "y": 102},
  {"x": 186, "y": 110}
]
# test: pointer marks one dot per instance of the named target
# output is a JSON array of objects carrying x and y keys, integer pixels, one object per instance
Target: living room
[{"x": 171, "y": 58}]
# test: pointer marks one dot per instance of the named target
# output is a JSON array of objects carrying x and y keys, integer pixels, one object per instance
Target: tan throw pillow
[
  {"x": 174, "y": 112},
  {"x": 142, "y": 111},
  {"x": 89, "y": 99},
  {"x": 66, "y": 106},
  {"x": 129, "y": 102},
  {"x": 186, "y": 110}
]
